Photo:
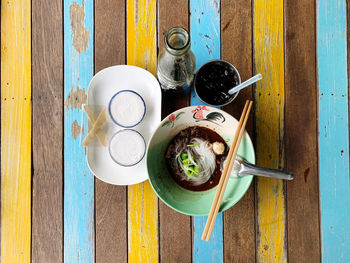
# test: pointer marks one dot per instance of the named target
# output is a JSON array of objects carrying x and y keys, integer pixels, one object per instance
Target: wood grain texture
[
  {"x": 110, "y": 200},
  {"x": 205, "y": 37},
  {"x": 301, "y": 111},
  {"x": 175, "y": 228},
  {"x": 15, "y": 131},
  {"x": 236, "y": 47},
  {"x": 47, "y": 83},
  {"x": 333, "y": 123},
  {"x": 269, "y": 133},
  {"x": 142, "y": 201},
  {"x": 109, "y": 33},
  {"x": 78, "y": 181}
]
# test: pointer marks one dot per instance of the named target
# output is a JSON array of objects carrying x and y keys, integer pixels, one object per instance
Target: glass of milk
[
  {"x": 127, "y": 147},
  {"x": 127, "y": 108}
]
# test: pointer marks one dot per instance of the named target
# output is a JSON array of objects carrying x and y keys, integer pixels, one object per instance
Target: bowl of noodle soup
[{"x": 185, "y": 157}]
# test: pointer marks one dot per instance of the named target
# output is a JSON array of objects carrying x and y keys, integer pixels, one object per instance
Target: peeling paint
[
  {"x": 216, "y": 5},
  {"x": 76, "y": 98},
  {"x": 136, "y": 12},
  {"x": 209, "y": 49},
  {"x": 80, "y": 34},
  {"x": 76, "y": 129}
]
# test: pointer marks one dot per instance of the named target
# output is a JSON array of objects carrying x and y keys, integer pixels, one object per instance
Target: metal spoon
[{"x": 242, "y": 168}]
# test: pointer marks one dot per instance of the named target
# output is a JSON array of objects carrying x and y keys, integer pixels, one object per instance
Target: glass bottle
[{"x": 176, "y": 62}]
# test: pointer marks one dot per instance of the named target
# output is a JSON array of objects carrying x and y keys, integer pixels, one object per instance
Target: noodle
[
  {"x": 191, "y": 159},
  {"x": 206, "y": 161}
]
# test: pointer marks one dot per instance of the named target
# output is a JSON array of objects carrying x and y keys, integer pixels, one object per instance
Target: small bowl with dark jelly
[{"x": 213, "y": 81}]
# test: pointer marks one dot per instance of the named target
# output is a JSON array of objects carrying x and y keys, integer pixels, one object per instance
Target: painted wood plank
[
  {"x": 15, "y": 131},
  {"x": 142, "y": 201},
  {"x": 175, "y": 234},
  {"x": 236, "y": 47},
  {"x": 78, "y": 180},
  {"x": 333, "y": 130},
  {"x": 205, "y": 37},
  {"x": 269, "y": 133},
  {"x": 110, "y": 200},
  {"x": 47, "y": 83},
  {"x": 301, "y": 111}
]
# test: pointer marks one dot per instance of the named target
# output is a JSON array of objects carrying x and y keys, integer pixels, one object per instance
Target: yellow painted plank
[
  {"x": 142, "y": 202},
  {"x": 15, "y": 131},
  {"x": 269, "y": 96},
  {"x": 141, "y": 34}
]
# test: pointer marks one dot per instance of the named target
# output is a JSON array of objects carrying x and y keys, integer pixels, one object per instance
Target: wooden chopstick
[
  {"x": 221, "y": 182},
  {"x": 226, "y": 172}
]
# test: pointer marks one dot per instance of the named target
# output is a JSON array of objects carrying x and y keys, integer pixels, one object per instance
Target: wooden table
[{"x": 54, "y": 210}]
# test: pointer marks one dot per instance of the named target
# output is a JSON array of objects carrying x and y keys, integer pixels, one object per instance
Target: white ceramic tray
[{"x": 101, "y": 88}]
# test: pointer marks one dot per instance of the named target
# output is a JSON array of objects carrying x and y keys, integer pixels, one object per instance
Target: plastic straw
[{"x": 245, "y": 84}]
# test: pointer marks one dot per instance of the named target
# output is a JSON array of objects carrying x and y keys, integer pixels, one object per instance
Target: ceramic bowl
[{"x": 182, "y": 200}]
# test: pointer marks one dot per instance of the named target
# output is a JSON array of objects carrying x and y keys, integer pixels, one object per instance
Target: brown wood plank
[
  {"x": 301, "y": 149},
  {"x": 236, "y": 45},
  {"x": 110, "y": 202},
  {"x": 47, "y": 79},
  {"x": 175, "y": 228}
]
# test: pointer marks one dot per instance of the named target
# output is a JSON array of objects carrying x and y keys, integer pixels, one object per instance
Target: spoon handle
[{"x": 247, "y": 168}]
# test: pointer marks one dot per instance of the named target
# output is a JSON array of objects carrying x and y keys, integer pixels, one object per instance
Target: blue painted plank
[
  {"x": 333, "y": 130},
  {"x": 78, "y": 181},
  {"x": 205, "y": 38}
]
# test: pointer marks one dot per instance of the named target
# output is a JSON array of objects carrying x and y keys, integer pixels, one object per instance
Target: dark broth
[{"x": 185, "y": 136}]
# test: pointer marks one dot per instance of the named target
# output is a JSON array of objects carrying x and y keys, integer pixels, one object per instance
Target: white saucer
[{"x": 102, "y": 87}]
